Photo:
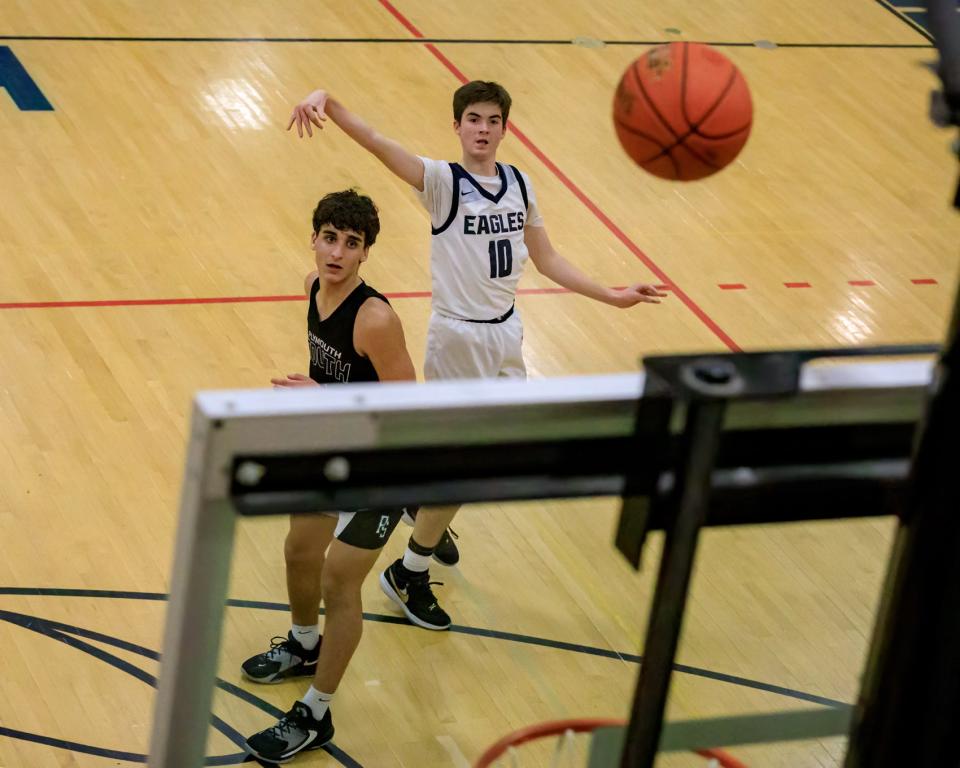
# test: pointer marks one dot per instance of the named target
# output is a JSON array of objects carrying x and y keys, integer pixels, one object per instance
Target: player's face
[
  {"x": 339, "y": 253},
  {"x": 480, "y": 130}
]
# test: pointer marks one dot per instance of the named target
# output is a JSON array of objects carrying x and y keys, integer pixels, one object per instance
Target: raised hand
[{"x": 310, "y": 110}]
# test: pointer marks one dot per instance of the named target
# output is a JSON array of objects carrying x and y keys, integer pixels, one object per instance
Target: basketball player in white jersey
[{"x": 485, "y": 224}]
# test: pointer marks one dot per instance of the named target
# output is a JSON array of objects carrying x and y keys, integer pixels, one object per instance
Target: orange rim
[{"x": 578, "y": 725}]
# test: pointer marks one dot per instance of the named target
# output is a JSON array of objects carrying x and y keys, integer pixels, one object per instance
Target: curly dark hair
[
  {"x": 478, "y": 92},
  {"x": 348, "y": 210}
]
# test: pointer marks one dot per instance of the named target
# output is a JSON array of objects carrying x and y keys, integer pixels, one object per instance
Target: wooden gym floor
[{"x": 155, "y": 229}]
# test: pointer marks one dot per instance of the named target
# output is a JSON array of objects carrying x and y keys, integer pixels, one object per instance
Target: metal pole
[
  {"x": 191, "y": 641},
  {"x": 700, "y": 443}
]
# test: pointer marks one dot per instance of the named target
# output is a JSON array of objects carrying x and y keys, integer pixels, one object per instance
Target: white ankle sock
[
  {"x": 414, "y": 562},
  {"x": 307, "y": 636},
  {"x": 318, "y": 701}
]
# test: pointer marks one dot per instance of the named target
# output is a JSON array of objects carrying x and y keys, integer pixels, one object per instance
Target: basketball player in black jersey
[{"x": 353, "y": 335}]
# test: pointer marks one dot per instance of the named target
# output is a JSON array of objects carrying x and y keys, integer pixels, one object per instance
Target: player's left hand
[
  {"x": 639, "y": 293},
  {"x": 293, "y": 380}
]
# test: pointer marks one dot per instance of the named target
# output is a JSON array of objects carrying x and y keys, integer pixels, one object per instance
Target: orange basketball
[{"x": 682, "y": 111}]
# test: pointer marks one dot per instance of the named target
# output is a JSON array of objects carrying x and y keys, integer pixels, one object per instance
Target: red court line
[
  {"x": 230, "y": 299},
  {"x": 404, "y": 295},
  {"x": 389, "y": 295},
  {"x": 579, "y": 194},
  {"x": 145, "y": 302}
]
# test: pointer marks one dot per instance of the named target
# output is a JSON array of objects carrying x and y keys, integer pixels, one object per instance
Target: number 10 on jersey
[{"x": 501, "y": 258}]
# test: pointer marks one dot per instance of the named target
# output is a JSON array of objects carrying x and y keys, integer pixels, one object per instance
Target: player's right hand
[{"x": 310, "y": 110}]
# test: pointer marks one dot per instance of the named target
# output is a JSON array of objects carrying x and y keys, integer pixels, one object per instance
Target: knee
[
  {"x": 340, "y": 586},
  {"x": 300, "y": 551}
]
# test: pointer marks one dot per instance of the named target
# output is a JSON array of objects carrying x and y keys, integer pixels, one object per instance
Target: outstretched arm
[
  {"x": 319, "y": 105},
  {"x": 552, "y": 265}
]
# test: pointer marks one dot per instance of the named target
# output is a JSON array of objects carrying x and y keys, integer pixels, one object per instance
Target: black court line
[
  {"x": 745, "y": 682},
  {"x": 69, "y": 634},
  {"x": 452, "y": 40}
]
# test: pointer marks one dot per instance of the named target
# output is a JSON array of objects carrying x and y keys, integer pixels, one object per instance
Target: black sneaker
[
  {"x": 295, "y": 732},
  {"x": 446, "y": 552},
  {"x": 286, "y": 658},
  {"x": 411, "y": 591}
]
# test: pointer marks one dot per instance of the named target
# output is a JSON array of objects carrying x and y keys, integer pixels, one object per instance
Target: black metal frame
[
  {"x": 909, "y": 707},
  {"x": 681, "y": 469},
  {"x": 719, "y": 476}
]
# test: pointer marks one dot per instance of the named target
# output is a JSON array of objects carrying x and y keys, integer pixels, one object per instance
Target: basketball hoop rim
[{"x": 577, "y": 725}]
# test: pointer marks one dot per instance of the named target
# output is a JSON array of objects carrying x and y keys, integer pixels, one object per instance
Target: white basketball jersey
[{"x": 477, "y": 252}]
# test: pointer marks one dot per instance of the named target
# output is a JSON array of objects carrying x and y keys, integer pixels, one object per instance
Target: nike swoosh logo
[
  {"x": 311, "y": 737},
  {"x": 402, "y": 592}
]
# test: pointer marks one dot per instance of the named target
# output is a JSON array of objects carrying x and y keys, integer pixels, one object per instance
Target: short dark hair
[
  {"x": 348, "y": 210},
  {"x": 477, "y": 92}
]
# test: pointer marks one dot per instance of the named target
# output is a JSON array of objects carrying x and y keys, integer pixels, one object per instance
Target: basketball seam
[
  {"x": 646, "y": 97},
  {"x": 641, "y": 134},
  {"x": 680, "y": 142},
  {"x": 683, "y": 87},
  {"x": 694, "y": 127},
  {"x": 700, "y": 157},
  {"x": 674, "y": 163},
  {"x": 664, "y": 149},
  {"x": 727, "y": 135}
]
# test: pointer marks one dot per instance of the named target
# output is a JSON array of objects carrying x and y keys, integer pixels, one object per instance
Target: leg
[
  {"x": 304, "y": 551},
  {"x": 407, "y": 580},
  {"x": 343, "y": 574},
  {"x": 309, "y": 725},
  {"x": 432, "y": 536},
  {"x": 455, "y": 350},
  {"x": 296, "y": 655},
  {"x": 431, "y": 524}
]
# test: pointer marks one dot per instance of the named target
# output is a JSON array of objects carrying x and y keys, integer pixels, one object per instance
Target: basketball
[{"x": 682, "y": 111}]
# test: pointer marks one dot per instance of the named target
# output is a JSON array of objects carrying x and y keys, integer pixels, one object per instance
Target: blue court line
[
  {"x": 637, "y": 659},
  {"x": 111, "y": 754},
  {"x": 915, "y": 11},
  {"x": 422, "y": 40},
  {"x": 476, "y": 631},
  {"x": 17, "y": 81},
  {"x": 906, "y": 19},
  {"x": 63, "y": 633}
]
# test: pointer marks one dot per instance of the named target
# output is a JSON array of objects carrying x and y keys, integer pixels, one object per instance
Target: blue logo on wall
[{"x": 24, "y": 92}]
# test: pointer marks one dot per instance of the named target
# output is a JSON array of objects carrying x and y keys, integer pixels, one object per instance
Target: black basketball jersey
[{"x": 333, "y": 358}]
